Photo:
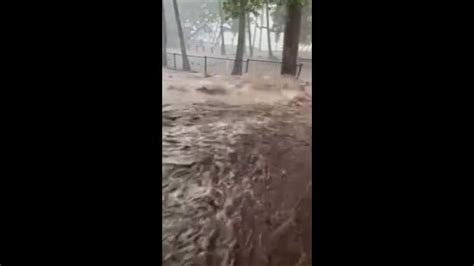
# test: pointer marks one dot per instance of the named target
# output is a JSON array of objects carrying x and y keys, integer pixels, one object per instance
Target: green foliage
[
  {"x": 278, "y": 14},
  {"x": 199, "y": 11},
  {"x": 289, "y": 2},
  {"x": 197, "y": 16},
  {"x": 232, "y": 7},
  {"x": 306, "y": 26}
]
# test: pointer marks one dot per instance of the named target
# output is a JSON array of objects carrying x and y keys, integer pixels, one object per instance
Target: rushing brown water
[{"x": 237, "y": 183}]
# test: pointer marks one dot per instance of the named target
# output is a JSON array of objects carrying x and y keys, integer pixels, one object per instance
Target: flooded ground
[{"x": 236, "y": 171}]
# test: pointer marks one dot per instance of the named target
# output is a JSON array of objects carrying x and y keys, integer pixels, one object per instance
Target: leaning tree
[{"x": 182, "y": 43}]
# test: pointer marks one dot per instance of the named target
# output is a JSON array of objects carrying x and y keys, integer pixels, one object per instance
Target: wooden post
[{"x": 299, "y": 71}]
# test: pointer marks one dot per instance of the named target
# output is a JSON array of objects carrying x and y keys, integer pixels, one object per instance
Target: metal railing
[{"x": 222, "y": 66}]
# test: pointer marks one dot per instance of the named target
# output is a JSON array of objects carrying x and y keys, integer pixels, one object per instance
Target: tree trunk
[
  {"x": 270, "y": 53},
  {"x": 164, "y": 59},
  {"x": 182, "y": 44},
  {"x": 254, "y": 38},
  {"x": 261, "y": 27},
  {"x": 291, "y": 40},
  {"x": 215, "y": 34},
  {"x": 237, "y": 70},
  {"x": 250, "y": 36},
  {"x": 222, "y": 29}
]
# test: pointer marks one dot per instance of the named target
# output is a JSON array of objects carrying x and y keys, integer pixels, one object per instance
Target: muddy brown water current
[{"x": 237, "y": 184}]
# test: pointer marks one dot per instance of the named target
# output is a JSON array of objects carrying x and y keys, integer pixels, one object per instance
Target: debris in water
[
  {"x": 212, "y": 91},
  {"x": 171, "y": 87}
]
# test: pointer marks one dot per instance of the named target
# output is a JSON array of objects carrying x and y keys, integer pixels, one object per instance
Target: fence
[{"x": 223, "y": 66}]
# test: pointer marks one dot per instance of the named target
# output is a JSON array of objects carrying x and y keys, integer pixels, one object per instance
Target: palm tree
[
  {"x": 291, "y": 38},
  {"x": 182, "y": 44}
]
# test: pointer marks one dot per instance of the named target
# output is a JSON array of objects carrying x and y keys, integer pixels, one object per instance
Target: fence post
[
  {"x": 299, "y": 71},
  {"x": 247, "y": 67},
  {"x": 205, "y": 64},
  {"x": 174, "y": 59}
]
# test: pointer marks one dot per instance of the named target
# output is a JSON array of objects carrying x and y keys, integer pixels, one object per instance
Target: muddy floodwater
[{"x": 236, "y": 172}]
